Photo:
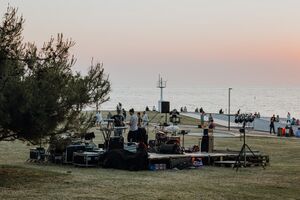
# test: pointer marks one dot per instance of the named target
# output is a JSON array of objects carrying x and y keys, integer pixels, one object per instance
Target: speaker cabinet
[
  {"x": 205, "y": 132},
  {"x": 116, "y": 142},
  {"x": 165, "y": 106},
  {"x": 207, "y": 144}
]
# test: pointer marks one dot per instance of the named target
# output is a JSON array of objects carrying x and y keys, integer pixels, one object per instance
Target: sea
[{"x": 266, "y": 101}]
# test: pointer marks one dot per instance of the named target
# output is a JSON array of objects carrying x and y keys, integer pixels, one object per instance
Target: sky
[{"x": 191, "y": 43}]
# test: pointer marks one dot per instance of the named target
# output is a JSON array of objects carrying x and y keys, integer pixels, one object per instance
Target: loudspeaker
[
  {"x": 207, "y": 144},
  {"x": 204, "y": 144},
  {"x": 205, "y": 132},
  {"x": 165, "y": 107},
  {"x": 116, "y": 142}
]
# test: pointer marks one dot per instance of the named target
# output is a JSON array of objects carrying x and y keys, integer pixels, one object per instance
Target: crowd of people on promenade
[{"x": 290, "y": 121}]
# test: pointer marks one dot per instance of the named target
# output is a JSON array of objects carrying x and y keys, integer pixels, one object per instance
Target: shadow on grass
[{"x": 15, "y": 177}]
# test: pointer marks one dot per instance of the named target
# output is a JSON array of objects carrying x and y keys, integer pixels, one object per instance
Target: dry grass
[{"x": 280, "y": 180}]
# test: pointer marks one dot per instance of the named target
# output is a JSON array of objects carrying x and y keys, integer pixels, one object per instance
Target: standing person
[
  {"x": 119, "y": 106},
  {"x": 288, "y": 118},
  {"x": 211, "y": 124},
  {"x": 118, "y": 123},
  {"x": 153, "y": 109},
  {"x": 272, "y": 126},
  {"x": 293, "y": 122},
  {"x": 124, "y": 113},
  {"x": 133, "y": 128},
  {"x": 98, "y": 118},
  {"x": 145, "y": 119},
  {"x": 202, "y": 119},
  {"x": 140, "y": 120},
  {"x": 201, "y": 110},
  {"x": 185, "y": 109},
  {"x": 109, "y": 115},
  {"x": 277, "y": 118},
  {"x": 142, "y": 130},
  {"x": 210, "y": 118}
]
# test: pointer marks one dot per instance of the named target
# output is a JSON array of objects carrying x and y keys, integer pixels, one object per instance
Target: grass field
[{"x": 280, "y": 180}]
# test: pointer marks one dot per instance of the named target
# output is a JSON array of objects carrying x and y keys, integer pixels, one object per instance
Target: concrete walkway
[{"x": 259, "y": 124}]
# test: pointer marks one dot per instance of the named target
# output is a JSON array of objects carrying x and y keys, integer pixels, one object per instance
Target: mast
[{"x": 161, "y": 84}]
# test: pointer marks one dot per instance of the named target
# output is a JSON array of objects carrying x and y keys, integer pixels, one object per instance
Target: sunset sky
[{"x": 190, "y": 42}]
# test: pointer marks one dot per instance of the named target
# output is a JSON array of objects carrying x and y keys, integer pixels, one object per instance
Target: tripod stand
[{"x": 243, "y": 155}]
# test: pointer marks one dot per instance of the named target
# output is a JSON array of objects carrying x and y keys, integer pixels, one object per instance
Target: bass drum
[{"x": 173, "y": 141}]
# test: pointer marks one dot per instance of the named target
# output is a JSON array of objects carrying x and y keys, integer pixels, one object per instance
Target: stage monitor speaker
[{"x": 165, "y": 106}]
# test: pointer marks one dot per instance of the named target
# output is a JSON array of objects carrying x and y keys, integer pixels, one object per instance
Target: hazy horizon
[{"x": 190, "y": 43}]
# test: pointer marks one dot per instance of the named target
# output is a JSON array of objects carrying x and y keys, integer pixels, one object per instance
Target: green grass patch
[{"x": 21, "y": 177}]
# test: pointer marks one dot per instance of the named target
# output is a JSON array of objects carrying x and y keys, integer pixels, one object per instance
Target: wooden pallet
[{"x": 258, "y": 160}]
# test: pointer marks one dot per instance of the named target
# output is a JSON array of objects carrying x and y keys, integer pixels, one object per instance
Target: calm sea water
[{"x": 267, "y": 101}]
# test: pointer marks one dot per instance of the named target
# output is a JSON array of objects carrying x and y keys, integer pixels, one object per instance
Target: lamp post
[{"x": 229, "y": 89}]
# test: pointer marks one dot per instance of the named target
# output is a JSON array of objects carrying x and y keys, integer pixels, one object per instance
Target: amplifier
[
  {"x": 71, "y": 149},
  {"x": 86, "y": 159},
  {"x": 37, "y": 154}
]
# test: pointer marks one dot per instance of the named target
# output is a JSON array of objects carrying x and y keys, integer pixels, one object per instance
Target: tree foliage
[{"x": 40, "y": 95}]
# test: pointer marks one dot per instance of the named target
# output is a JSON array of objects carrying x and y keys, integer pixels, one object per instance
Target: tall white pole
[
  {"x": 160, "y": 85},
  {"x": 229, "y": 89},
  {"x": 161, "y": 90}
]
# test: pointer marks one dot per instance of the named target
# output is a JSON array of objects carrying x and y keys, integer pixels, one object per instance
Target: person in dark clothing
[
  {"x": 118, "y": 122},
  {"x": 147, "y": 108},
  {"x": 140, "y": 120},
  {"x": 272, "y": 126},
  {"x": 201, "y": 110},
  {"x": 124, "y": 113},
  {"x": 141, "y": 133}
]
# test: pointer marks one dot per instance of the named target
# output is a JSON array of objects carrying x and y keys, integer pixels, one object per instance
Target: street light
[{"x": 229, "y": 89}]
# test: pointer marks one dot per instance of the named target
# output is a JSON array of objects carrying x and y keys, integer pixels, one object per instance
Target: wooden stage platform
[{"x": 215, "y": 158}]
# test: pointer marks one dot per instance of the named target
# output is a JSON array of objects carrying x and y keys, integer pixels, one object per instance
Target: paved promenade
[{"x": 259, "y": 124}]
